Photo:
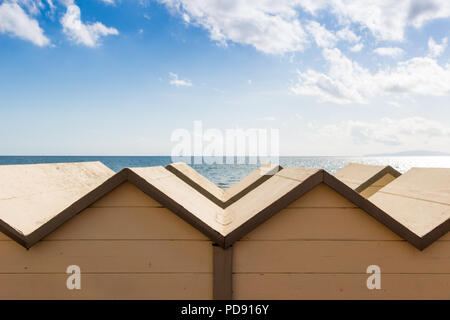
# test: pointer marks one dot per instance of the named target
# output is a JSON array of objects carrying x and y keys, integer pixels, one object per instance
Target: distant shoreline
[{"x": 419, "y": 153}]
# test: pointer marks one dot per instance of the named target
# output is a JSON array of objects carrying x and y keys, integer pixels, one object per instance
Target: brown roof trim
[
  {"x": 376, "y": 177},
  {"x": 269, "y": 174},
  {"x": 214, "y": 199},
  {"x": 109, "y": 185},
  {"x": 274, "y": 208},
  {"x": 348, "y": 193},
  {"x": 173, "y": 206},
  {"x": 435, "y": 234},
  {"x": 222, "y": 273},
  {"x": 66, "y": 214},
  {"x": 13, "y": 234},
  {"x": 194, "y": 185},
  {"x": 377, "y": 213},
  {"x": 308, "y": 184}
]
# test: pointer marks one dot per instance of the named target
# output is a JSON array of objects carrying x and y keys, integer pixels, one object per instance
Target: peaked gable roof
[
  {"x": 224, "y": 226},
  {"x": 33, "y": 195},
  {"x": 361, "y": 176},
  {"x": 291, "y": 183},
  {"x": 420, "y": 200},
  {"x": 222, "y": 198}
]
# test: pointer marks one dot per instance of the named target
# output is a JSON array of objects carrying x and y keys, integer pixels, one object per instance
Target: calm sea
[{"x": 225, "y": 175}]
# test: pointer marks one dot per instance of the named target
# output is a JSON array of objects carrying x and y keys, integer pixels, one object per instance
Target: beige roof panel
[
  {"x": 33, "y": 194},
  {"x": 258, "y": 175},
  {"x": 195, "y": 179},
  {"x": 360, "y": 176},
  {"x": 266, "y": 195},
  {"x": 182, "y": 194},
  {"x": 419, "y": 199}
]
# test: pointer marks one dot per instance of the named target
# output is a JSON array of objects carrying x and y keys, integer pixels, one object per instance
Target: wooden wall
[
  {"x": 377, "y": 185},
  {"x": 128, "y": 247},
  {"x": 320, "y": 247}
]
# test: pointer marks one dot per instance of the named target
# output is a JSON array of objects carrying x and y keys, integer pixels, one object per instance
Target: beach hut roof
[
  {"x": 360, "y": 176},
  {"x": 419, "y": 199},
  {"x": 224, "y": 226},
  {"x": 33, "y": 195},
  {"x": 223, "y": 198}
]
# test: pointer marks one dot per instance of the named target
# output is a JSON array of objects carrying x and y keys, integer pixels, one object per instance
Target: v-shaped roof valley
[
  {"x": 223, "y": 198},
  {"x": 361, "y": 176}
]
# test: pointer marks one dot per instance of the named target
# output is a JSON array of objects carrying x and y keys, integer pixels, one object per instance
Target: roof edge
[
  {"x": 75, "y": 208},
  {"x": 380, "y": 215},
  {"x": 173, "y": 206},
  {"x": 253, "y": 186},
  {"x": 109, "y": 185},
  {"x": 197, "y": 187},
  {"x": 264, "y": 215},
  {"x": 377, "y": 176},
  {"x": 219, "y": 202},
  {"x": 435, "y": 234},
  {"x": 321, "y": 176}
]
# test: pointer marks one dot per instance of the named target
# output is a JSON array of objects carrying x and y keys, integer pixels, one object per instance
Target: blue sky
[{"x": 110, "y": 77}]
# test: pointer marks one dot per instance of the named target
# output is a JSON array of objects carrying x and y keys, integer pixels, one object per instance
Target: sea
[{"x": 225, "y": 175}]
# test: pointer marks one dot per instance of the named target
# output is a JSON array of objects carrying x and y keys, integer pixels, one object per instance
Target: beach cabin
[
  {"x": 366, "y": 179},
  {"x": 142, "y": 233},
  {"x": 313, "y": 237},
  {"x": 132, "y": 235},
  {"x": 79, "y": 231}
]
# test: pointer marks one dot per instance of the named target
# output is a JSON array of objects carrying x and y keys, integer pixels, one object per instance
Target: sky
[{"x": 118, "y": 77}]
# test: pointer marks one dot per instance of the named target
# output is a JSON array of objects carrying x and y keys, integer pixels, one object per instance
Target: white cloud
[
  {"x": 435, "y": 49},
  {"x": 386, "y": 19},
  {"x": 269, "y": 26},
  {"x": 275, "y": 26},
  {"x": 80, "y": 33},
  {"x": 31, "y": 6},
  {"x": 325, "y": 38},
  {"x": 321, "y": 35},
  {"x": 110, "y": 2},
  {"x": 175, "y": 81},
  {"x": 395, "y": 104},
  {"x": 347, "y": 82},
  {"x": 357, "y": 47},
  {"x": 389, "y": 51},
  {"x": 16, "y": 22},
  {"x": 51, "y": 5},
  {"x": 388, "y": 131},
  {"x": 348, "y": 35},
  {"x": 268, "y": 118}
]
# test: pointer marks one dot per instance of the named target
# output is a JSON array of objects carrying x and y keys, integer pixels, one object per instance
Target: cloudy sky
[{"x": 117, "y": 77}]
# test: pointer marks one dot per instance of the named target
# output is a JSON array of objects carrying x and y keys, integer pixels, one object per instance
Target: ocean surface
[{"x": 225, "y": 175}]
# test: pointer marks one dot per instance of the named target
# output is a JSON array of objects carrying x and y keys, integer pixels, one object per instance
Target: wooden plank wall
[
  {"x": 128, "y": 247},
  {"x": 320, "y": 247}
]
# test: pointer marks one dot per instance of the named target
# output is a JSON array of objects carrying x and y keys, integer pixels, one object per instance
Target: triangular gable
[
  {"x": 36, "y": 196},
  {"x": 291, "y": 183},
  {"x": 419, "y": 200}
]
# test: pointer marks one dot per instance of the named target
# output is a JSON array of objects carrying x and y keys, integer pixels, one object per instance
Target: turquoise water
[{"x": 225, "y": 175}]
